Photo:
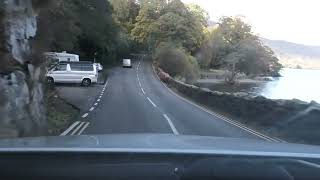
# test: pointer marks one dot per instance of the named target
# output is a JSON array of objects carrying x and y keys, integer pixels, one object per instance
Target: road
[{"x": 135, "y": 101}]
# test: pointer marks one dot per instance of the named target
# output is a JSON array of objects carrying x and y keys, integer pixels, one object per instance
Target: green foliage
[
  {"x": 125, "y": 13},
  {"x": 202, "y": 17},
  {"x": 143, "y": 28},
  {"x": 232, "y": 45},
  {"x": 213, "y": 50},
  {"x": 172, "y": 22},
  {"x": 83, "y": 27},
  {"x": 175, "y": 61}
]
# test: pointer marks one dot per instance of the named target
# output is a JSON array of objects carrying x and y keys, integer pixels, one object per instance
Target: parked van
[
  {"x": 55, "y": 57},
  {"x": 73, "y": 72},
  {"x": 126, "y": 63}
]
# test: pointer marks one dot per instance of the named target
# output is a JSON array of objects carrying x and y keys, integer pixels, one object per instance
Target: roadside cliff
[{"x": 22, "y": 111}]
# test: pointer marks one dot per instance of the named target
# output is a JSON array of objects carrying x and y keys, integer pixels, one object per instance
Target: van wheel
[
  {"x": 86, "y": 82},
  {"x": 50, "y": 80}
]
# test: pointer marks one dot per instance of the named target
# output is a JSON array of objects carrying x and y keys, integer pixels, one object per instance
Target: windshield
[{"x": 242, "y": 70}]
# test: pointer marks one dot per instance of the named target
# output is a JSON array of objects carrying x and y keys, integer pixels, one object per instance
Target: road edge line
[{"x": 217, "y": 115}]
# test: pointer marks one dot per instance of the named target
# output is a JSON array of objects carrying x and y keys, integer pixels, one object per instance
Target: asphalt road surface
[{"x": 135, "y": 101}]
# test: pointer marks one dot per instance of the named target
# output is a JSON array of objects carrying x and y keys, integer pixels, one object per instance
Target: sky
[{"x": 291, "y": 20}]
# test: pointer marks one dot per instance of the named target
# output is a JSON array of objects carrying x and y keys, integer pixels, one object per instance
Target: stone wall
[
  {"x": 295, "y": 120},
  {"x": 22, "y": 110}
]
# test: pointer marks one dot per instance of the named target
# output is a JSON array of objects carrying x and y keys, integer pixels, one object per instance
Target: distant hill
[{"x": 295, "y": 55}]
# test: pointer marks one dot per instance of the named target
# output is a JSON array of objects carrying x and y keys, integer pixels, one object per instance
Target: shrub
[{"x": 175, "y": 61}]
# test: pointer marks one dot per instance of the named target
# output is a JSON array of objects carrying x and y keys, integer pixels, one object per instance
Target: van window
[
  {"x": 61, "y": 67},
  {"x": 81, "y": 67}
]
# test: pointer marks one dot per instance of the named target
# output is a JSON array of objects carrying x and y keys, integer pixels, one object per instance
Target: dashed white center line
[
  {"x": 100, "y": 97},
  {"x": 99, "y": 100},
  {"x": 85, "y": 115},
  {"x": 91, "y": 109},
  {"x": 96, "y": 104},
  {"x": 173, "y": 128},
  {"x": 143, "y": 91},
  {"x": 153, "y": 104}
]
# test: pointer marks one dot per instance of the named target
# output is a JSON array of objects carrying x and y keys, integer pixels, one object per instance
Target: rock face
[{"x": 22, "y": 110}]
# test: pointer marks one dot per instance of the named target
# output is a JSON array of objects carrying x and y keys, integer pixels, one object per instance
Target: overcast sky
[{"x": 291, "y": 20}]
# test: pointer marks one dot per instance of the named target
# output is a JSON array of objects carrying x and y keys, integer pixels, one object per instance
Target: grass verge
[{"x": 60, "y": 114}]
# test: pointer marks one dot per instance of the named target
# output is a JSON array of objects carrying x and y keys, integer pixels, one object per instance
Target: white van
[
  {"x": 73, "y": 72},
  {"x": 55, "y": 57},
  {"x": 126, "y": 63}
]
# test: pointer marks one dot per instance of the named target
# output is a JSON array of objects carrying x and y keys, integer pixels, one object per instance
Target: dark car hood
[{"x": 160, "y": 143}]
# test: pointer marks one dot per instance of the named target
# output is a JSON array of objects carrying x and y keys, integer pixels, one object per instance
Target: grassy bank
[{"x": 60, "y": 114}]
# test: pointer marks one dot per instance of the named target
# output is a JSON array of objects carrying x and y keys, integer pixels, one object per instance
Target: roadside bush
[{"x": 176, "y": 62}]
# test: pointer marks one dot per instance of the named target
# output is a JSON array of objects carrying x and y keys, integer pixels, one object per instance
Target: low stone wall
[{"x": 293, "y": 120}]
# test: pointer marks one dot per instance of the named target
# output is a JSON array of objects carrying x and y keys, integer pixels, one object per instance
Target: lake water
[{"x": 300, "y": 84}]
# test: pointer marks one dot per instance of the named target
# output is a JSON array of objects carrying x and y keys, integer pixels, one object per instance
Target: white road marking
[
  {"x": 140, "y": 84},
  {"x": 314, "y": 165},
  {"x": 153, "y": 104},
  {"x": 85, "y": 115},
  {"x": 96, "y": 104},
  {"x": 70, "y": 128},
  {"x": 143, "y": 91},
  {"x": 173, "y": 128},
  {"x": 100, "y": 97},
  {"x": 83, "y": 128},
  {"x": 78, "y": 127},
  {"x": 91, "y": 109},
  {"x": 99, "y": 100},
  {"x": 232, "y": 122}
]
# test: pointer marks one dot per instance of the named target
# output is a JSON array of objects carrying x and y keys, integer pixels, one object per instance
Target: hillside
[{"x": 295, "y": 55}]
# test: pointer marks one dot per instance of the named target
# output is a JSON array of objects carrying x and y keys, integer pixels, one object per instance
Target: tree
[
  {"x": 148, "y": 14},
  {"x": 232, "y": 45},
  {"x": 60, "y": 17},
  {"x": 72, "y": 29},
  {"x": 201, "y": 16},
  {"x": 213, "y": 50},
  {"x": 179, "y": 25},
  {"x": 175, "y": 61},
  {"x": 125, "y": 13},
  {"x": 170, "y": 23}
]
